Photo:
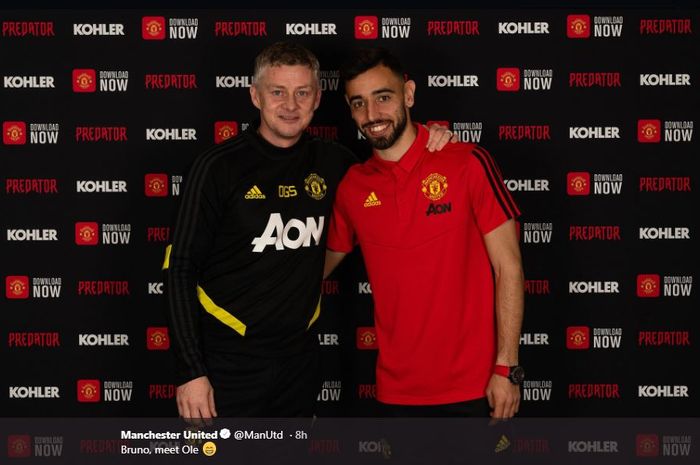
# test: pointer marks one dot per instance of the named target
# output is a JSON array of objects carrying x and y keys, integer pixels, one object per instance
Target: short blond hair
[{"x": 285, "y": 53}]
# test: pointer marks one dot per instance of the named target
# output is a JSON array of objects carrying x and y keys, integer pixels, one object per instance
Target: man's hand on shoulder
[
  {"x": 195, "y": 399},
  {"x": 439, "y": 136}
]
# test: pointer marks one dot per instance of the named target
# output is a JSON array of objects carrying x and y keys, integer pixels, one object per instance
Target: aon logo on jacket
[{"x": 290, "y": 235}]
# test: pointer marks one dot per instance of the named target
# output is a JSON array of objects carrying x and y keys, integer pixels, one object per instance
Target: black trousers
[
  {"x": 470, "y": 408},
  {"x": 246, "y": 386}
]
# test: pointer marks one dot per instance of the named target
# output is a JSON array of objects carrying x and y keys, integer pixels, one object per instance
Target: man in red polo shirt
[{"x": 438, "y": 237}]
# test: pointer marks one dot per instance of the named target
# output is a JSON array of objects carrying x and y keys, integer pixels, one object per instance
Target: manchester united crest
[
  {"x": 434, "y": 187},
  {"x": 315, "y": 186},
  {"x": 16, "y": 288}
]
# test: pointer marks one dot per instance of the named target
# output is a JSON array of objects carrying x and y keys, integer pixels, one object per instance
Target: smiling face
[
  {"x": 287, "y": 97},
  {"x": 379, "y": 102}
]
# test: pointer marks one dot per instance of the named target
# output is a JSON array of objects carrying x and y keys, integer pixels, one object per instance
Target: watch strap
[{"x": 502, "y": 370}]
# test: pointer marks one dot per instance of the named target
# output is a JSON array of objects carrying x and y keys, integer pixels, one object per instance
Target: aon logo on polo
[{"x": 290, "y": 235}]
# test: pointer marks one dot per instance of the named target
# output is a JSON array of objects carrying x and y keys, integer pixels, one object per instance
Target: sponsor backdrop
[{"x": 590, "y": 115}]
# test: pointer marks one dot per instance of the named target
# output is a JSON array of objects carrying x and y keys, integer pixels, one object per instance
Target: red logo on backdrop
[
  {"x": 439, "y": 123},
  {"x": 578, "y": 183},
  {"x": 84, "y": 80},
  {"x": 17, "y": 287},
  {"x": 648, "y": 285},
  {"x": 224, "y": 130},
  {"x": 19, "y": 445},
  {"x": 14, "y": 133},
  {"x": 647, "y": 445},
  {"x": 366, "y": 338},
  {"x": 86, "y": 233},
  {"x": 88, "y": 390},
  {"x": 156, "y": 185},
  {"x": 649, "y": 130},
  {"x": 366, "y": 27},
  {"x": 578, "y": 26},
  {"x": 157, "y": 338},
  {"x": 578, "y": 337},
  {"x": 153, "y": 27},
  {"x": 508, "y": 79}
]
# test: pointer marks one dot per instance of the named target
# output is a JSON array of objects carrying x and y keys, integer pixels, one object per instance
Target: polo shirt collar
[{"x": 411, "y": 157}]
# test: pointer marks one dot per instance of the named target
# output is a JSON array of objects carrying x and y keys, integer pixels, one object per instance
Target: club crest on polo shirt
[
  {"x": 315, "y": 186},
  {"x": 434, "y": 187}
]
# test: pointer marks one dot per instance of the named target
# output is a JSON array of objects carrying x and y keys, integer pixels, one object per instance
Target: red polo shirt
[{"x": 420, "y": 224}]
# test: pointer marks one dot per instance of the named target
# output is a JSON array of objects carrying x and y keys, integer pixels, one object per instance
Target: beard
[{"x": 384, "y": 142}]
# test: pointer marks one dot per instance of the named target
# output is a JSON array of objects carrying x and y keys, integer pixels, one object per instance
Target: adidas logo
[
  {"x": 372, "y": 200},
  {"x": 503, "y": 444},
  {"x": 254, "y": 193}
]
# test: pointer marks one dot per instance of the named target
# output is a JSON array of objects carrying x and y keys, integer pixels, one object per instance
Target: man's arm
[
  {"x": 332, "y": 260},
  {"x": 194, "y": 232},
  {"x": 341, "y": 232},
  {"x": 504, "y": 254}
]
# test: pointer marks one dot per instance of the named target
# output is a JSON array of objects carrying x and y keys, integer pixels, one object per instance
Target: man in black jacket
[{"x": 245, "y": 266}]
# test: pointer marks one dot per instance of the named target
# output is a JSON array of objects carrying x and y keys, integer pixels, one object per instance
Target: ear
[
  {"x": 409, "y": 91},
  {"x": 317, "y": 101},
  {"x": 254, "y": 97}
]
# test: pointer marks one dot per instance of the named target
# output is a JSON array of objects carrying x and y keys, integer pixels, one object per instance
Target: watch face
[{"x": 517, "y": 374}]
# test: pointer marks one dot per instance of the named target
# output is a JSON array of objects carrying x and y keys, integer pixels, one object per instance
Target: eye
[
  {"x": 357, "y": 104},
  {"x": 276, "y": 93},
  {"x": 303, "y": 93},
  {"x": 383, "y": 98}
]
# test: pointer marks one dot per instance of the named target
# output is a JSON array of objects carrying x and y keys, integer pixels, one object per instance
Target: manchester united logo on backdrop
[
  {"x": 366, "y": 338},
  {"x": 649, "y": 130},
  {"x": 86, "y": 233},
  {"x": 578, "y": 183},
  {"x": 157, "y": 338},
  {"x": 647, "y": 445},
  {"x": 14, "y": 132},
  {"x": 156, "y": 185},
  {"x": 577, "y": 337},
  {"x": 153, "y": 27},
  {"x": 366, "y": 27},
  {"x": 434, "y": 187},
  {"x": 19, "y": 446},
  {"x": 88, "y": 390},
  {"x": 17, "y": 287},
  {"x": 578, "y": 26},
  {"x": 84, "y": 80},
  {"x": 508, "y": 79},
  {"x": 315, "y": 186},
  {"x": 648, "y": 285},
  {"x": 224, "y": 130}
]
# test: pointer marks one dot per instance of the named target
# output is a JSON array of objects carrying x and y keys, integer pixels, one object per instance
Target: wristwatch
[{"x": 515, "y": 373}]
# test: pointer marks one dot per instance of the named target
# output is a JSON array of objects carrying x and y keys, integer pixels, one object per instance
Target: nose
[
  {"x": 290, "y": 102},
  {"x": 372, "y": 113}
]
